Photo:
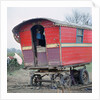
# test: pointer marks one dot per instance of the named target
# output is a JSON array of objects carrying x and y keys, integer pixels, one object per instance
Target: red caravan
[
  {"x": 47, "y": 43},
  {"x": 51, "y": 46}
]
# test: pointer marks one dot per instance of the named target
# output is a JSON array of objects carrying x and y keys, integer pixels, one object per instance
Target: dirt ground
[{"x": 19, "y": 82}]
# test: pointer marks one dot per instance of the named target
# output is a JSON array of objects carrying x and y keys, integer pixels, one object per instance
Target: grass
[{"x": 89, "y": 67}]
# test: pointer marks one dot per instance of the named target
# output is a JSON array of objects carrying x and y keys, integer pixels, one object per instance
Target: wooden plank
[
  {"x": 74, "y": 55},
  {"x": 76, "y": 45}
]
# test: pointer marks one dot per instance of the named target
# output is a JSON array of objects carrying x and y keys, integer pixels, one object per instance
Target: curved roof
[{"x": 56, "y": 22}]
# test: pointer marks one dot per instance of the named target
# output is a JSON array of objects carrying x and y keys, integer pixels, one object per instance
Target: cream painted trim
[
  {"x": 41, "y": 49},
  {"x": 76, "y": 45},
  {"x": 27, "y": 48},
  {"x": 62, "y": 45},
  {"x": 47, "y": 46},
  {"x": 52, "y": 45}
]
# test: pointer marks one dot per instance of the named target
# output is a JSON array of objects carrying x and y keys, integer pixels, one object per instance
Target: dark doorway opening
[
  {"x": 39, "y": 45},
  {"x": 38, "y": 35}
]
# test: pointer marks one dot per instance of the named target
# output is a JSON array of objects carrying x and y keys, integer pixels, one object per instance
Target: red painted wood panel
[
  {"x": 25, "y": 38},
  {"x": 52, "y": 35},
  {"x": 46, "y": 23},
  {"x": 29, "y": 25},
  {"x": 25, "y": 32},
  {"x": 68, "y": 35},
  {"x": 76, "y": 55},
  {"x": 26, "y": 27},
  {"x": 87, "y": 36},
  {"x": 70, "y": 55}
]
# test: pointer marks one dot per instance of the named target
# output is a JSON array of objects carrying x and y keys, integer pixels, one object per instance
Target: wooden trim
[
  {"x": 47, "y": 46},
  {"x": 60, "y": 45},
  {"x": 27, "y": 48},
  {"x": 76, "y": 45},
  {"x": 52, "y": 45},
  {"x": 28, "y": 64},
  {"x": 77, "y": 35}
]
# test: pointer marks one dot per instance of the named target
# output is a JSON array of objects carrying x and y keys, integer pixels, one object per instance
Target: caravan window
[{"x": 79, "y": 36}]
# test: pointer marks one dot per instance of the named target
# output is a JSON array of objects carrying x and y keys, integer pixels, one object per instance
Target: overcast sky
[{"x": 16, "y": 15}]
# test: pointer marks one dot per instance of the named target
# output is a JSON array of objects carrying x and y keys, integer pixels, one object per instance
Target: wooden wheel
[
  {"x": 58, "y": 80},
  {"x": 35, "y": 80},
  {"x": 84, "y": 76},
  {"x": 67, "y": 81}
]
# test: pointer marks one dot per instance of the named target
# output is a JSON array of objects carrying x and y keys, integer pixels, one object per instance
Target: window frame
[{"x": 77, "y": 35}]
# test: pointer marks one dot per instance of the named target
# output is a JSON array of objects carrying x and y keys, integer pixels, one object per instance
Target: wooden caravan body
[{"x": 47, "y": 42}]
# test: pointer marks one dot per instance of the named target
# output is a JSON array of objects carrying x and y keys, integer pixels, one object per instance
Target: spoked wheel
[
  {"x": 84, "y": 76},
  {"x": 58, "y": 80},
  {"x": 35, "y": 80},
  {"x": 67, "y": 81}
]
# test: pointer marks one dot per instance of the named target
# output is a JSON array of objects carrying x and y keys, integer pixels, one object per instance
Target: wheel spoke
[
  {"x": 84, "y": 76},
  {"x": 35, "y": 80}
]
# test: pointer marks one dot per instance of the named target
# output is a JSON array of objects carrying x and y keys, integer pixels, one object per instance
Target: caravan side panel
[
  {"x": 53, "y": 45},
  {"x": 73, "y": 52},
  {"x": 26, "y": 45}
]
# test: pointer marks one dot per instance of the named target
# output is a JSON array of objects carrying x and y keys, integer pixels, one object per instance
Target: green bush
[{"x": 13, "y": 65}]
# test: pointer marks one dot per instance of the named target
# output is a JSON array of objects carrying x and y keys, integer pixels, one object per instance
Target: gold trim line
[
  {"x": 52, "y": 45},
  {"x": 76, "y": 45},
  {"x": 62, "y": 45},
  {"x": 27, "y": 48}
]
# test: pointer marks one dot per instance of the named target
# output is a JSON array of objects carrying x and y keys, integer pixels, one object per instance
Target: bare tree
[{"x": 80, "y": 18}]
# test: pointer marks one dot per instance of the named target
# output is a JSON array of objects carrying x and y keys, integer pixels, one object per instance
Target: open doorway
[{"x": 39, "y": 45}]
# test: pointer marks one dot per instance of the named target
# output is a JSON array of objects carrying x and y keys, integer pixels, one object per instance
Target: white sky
[{"x": 16, "y": 15}]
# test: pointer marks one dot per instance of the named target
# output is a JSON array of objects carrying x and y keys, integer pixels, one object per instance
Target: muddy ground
[{"x": 19, "y": 82}]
